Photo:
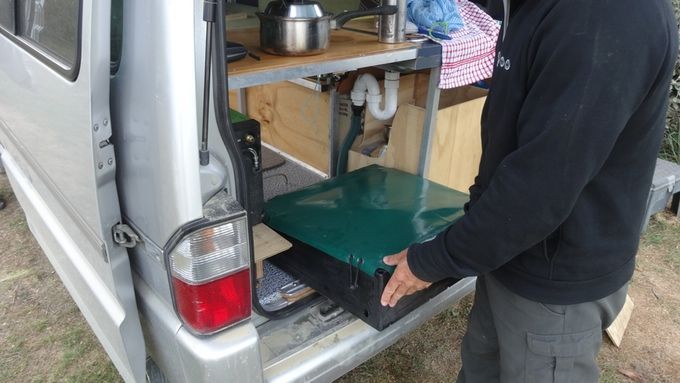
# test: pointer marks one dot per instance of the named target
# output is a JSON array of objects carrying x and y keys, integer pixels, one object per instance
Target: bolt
[
  {"x": 250, "y": 139},
  {"x": 96, "y": 127},
  {"x": 100, "y": 165},
  {"x": 106, "y": 121},
  {"x": 110, "y": 161}
]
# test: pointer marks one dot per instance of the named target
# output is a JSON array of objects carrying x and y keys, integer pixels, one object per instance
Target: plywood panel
[
  {"x": 267, "y": 242},
  {"x": 457, "y": 146},
  {"x": 373, "y": 127},
  {"x": 447, "y": 97},
  {"x": 403, "y": 150},
  {"x": 294, "y": 119}
]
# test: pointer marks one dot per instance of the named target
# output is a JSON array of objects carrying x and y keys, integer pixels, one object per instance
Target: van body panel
[
  {"x": 54, "y": 140},
  {"x": 111, "y": 313},
  {"x": 154, "y": 109}
]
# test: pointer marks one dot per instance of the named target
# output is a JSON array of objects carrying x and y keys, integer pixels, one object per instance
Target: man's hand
[{"x": 402, "y": 282}]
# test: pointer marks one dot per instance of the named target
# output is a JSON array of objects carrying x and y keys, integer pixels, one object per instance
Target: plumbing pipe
[
  {"x": 367, "y": 90},
  {"x": 354, "y": 131}
]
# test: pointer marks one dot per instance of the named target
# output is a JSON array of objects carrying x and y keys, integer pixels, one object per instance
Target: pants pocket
[{"x": 563, "y": 358}]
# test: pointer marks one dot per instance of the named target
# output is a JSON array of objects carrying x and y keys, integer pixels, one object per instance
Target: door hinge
[{"x": 124, "y": 236}]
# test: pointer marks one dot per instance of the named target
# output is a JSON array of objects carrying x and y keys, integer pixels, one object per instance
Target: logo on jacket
[{"x": 502, "y": 62}]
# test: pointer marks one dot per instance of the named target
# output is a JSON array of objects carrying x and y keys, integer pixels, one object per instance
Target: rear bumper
[
  {"x": 339, "y": 352},
  {"x": 234, "y": 355}
]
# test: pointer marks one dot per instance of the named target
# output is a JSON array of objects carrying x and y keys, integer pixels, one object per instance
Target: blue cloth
[{"x": 435, "y": 15}]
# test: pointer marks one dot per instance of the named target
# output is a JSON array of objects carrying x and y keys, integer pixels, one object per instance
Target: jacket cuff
[{"x": 420, "y": 259}]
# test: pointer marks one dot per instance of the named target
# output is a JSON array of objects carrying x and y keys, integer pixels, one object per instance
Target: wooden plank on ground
[{"x": 618, "y": 327}]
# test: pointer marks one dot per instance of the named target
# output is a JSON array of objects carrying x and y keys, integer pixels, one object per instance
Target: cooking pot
[{"x": 302, "y": 28}]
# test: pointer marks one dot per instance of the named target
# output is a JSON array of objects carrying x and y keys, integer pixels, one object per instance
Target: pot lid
[{"x": 295, "y": 9}]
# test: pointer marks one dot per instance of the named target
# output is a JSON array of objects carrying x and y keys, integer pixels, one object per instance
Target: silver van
[{"x": 101, "y": 135}]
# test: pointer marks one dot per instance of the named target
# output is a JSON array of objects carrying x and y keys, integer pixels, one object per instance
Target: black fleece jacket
[{"x": 571, "y": 130}]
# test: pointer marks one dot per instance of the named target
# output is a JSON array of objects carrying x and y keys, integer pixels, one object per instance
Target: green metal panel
[{"x": 366, "y": 214}]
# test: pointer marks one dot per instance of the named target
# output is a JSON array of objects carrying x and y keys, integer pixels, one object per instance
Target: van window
[
  {"x": 51, "y": 24},
  {"x": 7, "y": 15}
]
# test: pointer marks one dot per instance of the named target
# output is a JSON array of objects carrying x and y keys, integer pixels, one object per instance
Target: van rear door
[{"x": 55, "y": 131}]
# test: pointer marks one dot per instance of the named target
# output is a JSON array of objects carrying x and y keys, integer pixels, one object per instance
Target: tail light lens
[{"x": 211, "y": 276}]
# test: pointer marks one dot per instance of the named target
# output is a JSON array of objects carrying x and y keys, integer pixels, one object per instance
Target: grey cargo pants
[{"x": 511, "y": 339}]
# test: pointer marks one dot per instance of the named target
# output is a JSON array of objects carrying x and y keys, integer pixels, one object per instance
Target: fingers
[
  {"x": 390, "y": 289},
  {"x": 401, "y": 291},
  {"x": 391, "y": 260},
  {"x": 402, "y": 283},
  {"x": 395, "y": 259}
]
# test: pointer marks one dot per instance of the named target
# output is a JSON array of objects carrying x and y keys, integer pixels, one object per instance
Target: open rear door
[{"x": 55, "y": 128}]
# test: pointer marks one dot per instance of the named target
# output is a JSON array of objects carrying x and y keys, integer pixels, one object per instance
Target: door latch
[{"x": 124, "y": 236}]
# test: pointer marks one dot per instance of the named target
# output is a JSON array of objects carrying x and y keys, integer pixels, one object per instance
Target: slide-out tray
[{"x": 341, "y": 229}]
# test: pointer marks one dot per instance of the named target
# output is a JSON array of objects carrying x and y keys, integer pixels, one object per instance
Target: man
[{"x": 571, "y": 130}]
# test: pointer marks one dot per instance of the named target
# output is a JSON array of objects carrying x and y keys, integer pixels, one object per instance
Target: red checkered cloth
[{"x": 469, "y": 56}]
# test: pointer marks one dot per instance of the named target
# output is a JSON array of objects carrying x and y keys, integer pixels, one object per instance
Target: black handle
[{"x": 383, "y": 10}]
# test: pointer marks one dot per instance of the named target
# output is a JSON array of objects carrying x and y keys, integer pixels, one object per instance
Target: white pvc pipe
[{"x": 366, "y": 83}]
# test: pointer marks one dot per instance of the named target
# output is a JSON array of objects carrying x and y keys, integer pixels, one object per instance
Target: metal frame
[
  {"x": 425, "y": 55},
  {"x": 417, "y": 56},
  {"x": 431, "y": 107}
]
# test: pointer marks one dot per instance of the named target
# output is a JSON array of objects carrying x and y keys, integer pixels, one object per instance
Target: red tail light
[
  {"x": 211, "y": 276},
  {"x": 214, "y": 305}
]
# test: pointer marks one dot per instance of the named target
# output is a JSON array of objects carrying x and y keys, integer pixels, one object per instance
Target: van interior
[{"x": 305, "y": 135}]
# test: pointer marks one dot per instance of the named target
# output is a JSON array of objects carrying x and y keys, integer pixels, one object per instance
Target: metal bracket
[
  {"x": 124, "y": 236},
  {"x": 354, "y": 271}
]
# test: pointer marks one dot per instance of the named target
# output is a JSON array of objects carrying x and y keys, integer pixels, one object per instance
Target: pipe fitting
[{"x": 367, "y": 83}]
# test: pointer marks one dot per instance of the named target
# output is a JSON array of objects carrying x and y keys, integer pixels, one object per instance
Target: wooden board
[
  {"x": 447, "y": 97},
  {"x": 373, "y": 127},
  {"x": 294, "y": 119},
  {"x": 457, "y": 145},
  {"x": 403, "y": 150},
  {"x": 267, "y": 244},
  {"x": 344, "y": 44},
  {"x": 618, "y": 327}
]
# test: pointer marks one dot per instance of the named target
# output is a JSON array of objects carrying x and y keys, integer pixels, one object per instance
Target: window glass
[
  {"x": 52, "y": 24},
  {"x": 7, "y": 14}
]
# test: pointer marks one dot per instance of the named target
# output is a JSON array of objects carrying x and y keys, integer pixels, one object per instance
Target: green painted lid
[
  {"x": 367, "y": 214},
  {"x": 237, "y": 117}
]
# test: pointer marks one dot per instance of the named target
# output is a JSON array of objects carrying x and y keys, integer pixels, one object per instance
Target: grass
[
  {"x": 609, "y": 375},
  {"x": 662, "y": 235},
  {"x": 671, "y": 145}
]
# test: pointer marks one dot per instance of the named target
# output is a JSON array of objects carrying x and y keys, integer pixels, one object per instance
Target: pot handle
[{"x": 384, "y": 10}]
